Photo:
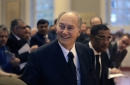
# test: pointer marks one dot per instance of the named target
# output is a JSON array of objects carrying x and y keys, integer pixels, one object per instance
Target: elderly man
[
  {"x": 16, "y": 40},
  {"x": 62, "y": 61}
]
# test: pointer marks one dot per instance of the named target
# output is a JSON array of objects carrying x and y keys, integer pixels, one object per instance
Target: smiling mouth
[{"x": 65, "y": 37}]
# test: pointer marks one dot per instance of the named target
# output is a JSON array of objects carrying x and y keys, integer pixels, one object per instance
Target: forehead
[
  {"x": 104, "y": 33},
  {"x": 3, "y": 32},
  {"x": 96, "y": 21},
  {"x": 84, "y": 25},
  {"x": 125, "y": 38},
  {"x": 69, "y": 18}
]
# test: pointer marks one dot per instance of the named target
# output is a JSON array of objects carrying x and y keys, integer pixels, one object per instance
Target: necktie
[
  {"x": 97, "y": 67},
  {"x": 72, "y": 65}
]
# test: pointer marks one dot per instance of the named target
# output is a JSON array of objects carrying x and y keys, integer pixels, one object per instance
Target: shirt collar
[
  {"x": 95, "y": 52},
  {"x": 66, "y": 51},
  {"x": 18, "y": 38}
]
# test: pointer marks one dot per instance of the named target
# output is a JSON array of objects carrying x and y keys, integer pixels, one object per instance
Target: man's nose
[{"x": 65, "y": 31}]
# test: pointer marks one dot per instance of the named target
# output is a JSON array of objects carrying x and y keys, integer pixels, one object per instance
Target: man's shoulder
[
  {"x": 83, "y": 46},
  {"x": 46, "y": 48}
]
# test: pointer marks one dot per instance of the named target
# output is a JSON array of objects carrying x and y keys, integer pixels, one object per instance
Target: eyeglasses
[{"x": 102, "y": 38}]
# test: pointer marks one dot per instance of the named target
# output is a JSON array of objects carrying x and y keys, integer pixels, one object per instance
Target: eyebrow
[{"x": 68, "y": 25}]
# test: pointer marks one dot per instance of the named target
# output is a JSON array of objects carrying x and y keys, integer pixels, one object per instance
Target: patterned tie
[
  {"x": 97, "y": 67},
  {"x": 72, "y": 65}
]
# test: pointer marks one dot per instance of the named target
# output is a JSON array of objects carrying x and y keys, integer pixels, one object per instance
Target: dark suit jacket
[
  {"x": 83, "y": 38},
  {"x": 117, "y": 59},
  {"x": 104, "y": 72},
  {"x": 39, "y": 40},
  {"x": 14, "y": 45},
  {"x": 47, "y": 66}
]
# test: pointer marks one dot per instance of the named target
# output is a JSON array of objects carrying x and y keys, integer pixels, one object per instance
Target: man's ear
[{"x": 79, "y": 32}]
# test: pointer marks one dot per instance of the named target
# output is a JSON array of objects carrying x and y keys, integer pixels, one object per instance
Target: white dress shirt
[{"x": 76, "y": 60}]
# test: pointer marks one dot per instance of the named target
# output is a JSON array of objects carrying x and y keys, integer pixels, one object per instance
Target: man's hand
[
  {"x": 115, "y": 71},
  {"x": 15, "y": 62},
  {"x": 47, "y": 40},
  {"x": 34, "y": 47}
]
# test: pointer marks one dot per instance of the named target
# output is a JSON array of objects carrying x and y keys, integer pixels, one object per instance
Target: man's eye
[
  {"x": 100, "y": 37},
  {"x": 70, "y": 28},
  {"x": 61, "y": 26}
]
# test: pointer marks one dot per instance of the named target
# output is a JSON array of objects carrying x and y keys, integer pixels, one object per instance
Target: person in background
[
  {"x": 16, "y": 41},
  {"x": 33, "y": 31},
  {"x": 62, "y": 61},
  {"x": 52, "y": 32},
  {"x": 28, "y": 34},
  {"x": 8, "y": 63},
  {"x": 83, "y": 34},
  {"x": 119, "y": 50},
  {"x": 99, "y": 42},
  {"x": 95, "y": 21},
  {"x": 88, "y": 34},
  {"x": 41, "y": 37}
]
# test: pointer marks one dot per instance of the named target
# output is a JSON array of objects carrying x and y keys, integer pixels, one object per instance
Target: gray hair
[
  {"x": 78, "y": 16},
  {"x": 3, "y": 28}
]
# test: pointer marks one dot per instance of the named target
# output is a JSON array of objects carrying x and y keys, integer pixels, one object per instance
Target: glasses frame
[{"x": 103, "y": 38}]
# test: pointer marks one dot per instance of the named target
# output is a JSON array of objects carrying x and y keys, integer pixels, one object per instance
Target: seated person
[{"x": 7, "y": 64}]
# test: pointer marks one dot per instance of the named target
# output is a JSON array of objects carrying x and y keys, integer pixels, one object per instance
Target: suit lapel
[
  {"x": 60, "y": 61},
  {"x": 83, "y": 63}
]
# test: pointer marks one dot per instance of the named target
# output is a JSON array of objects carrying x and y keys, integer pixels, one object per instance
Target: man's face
[
  {"x": 101, "y": 41},
  {"x": 3, "y": 37},
  {"x": 68, "y": 30},
  {"x": 43, "y": 28},
  {"x": 28, "y": 33},
  {"x": 20, "y": 30},
  {"x": 83, "y": 27},
  {"x": 124, "y": 42}
]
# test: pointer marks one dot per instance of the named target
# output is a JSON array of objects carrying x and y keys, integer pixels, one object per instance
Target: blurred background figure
[
  {"x": 33, "y": 31},
  {"x": 95, "y": 21},
  {"x": 28, "y": 34},
  {"x": 119, "y": 50},
  {"x": 8, "y": 62},
  {"x": 52, "y": 31},
  {"x": 16, "y": 41},
  {"x": 83, "y": 34},
  {"x": 41, "y": 37}
]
